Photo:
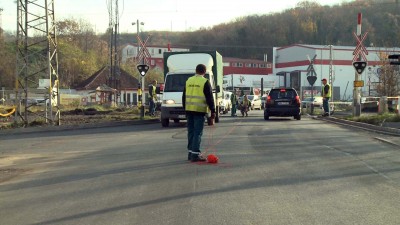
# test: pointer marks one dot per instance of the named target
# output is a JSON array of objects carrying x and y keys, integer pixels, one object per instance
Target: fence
[{"x": 368, "y": 105}]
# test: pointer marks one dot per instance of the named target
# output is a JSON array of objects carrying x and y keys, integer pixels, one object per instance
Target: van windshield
[{"x": 177, "y": 82}]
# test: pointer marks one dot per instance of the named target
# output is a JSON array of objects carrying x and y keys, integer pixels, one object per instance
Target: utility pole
[
  {"x": 356, "y": 90},
  {"x": 138, "y": 58},
  {"x": 41, "y": 44},
  {"x": 331, "y": 78},
  {"x": 114, "y": 76},
  {"x": 359, "y": 65}
]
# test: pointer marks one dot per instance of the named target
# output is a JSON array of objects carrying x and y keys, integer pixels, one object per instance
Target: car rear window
[{"x": 282, "y": 93}]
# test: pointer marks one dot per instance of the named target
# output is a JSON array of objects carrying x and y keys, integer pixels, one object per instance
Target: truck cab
[{"x": 178, "y": 67}]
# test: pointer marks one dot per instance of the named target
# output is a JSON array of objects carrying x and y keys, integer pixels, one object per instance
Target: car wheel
[
  {"x": 266, "y": 117},
  {"x": 165, "y": 122},
  {"x": 298, "y": 117}
]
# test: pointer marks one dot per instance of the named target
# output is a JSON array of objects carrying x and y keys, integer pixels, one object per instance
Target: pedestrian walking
[
  {"x": 152, "y": 98},
  {"x": 197, "y": 100},
  {"x": 326, "y": 95},
  {"x": 234, "y": 103},
  {"x": 245, "y": 106}
]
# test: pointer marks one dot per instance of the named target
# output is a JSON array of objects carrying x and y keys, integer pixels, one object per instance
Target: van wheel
[
  {"x": 266, "y": 117},
  {"x": 165, "y": 122},
  {"x": 298, "y": 117}
]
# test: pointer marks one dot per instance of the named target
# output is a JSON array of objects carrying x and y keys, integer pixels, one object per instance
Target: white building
[
  {"x": 291, "y": 63},
  {"x": 130, "y": 51}
]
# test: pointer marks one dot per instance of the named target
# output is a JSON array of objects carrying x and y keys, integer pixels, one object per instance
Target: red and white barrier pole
[{"x": 359, "y": 24}]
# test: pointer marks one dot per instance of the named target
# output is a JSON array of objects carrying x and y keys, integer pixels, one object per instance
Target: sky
[{"x": 160, "y": 15}]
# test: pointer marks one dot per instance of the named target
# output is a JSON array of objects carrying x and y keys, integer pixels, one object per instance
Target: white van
[{"x": 226, "y": 103}]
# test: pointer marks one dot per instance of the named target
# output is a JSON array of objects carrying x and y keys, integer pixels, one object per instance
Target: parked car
[
  {"x": 316, "y": 101},
  {"x": 283, "y": 102},
  {"x": 255, "y": 102},
  {"x": 369, "y": 104}
]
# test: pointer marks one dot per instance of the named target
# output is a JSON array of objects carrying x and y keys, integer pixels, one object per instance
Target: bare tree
[{"x": 389, "y": 81}]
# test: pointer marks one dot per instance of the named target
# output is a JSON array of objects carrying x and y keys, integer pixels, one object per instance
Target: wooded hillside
[
  {"x": 308, "y": 23},
  {"x": 81, "y": 52}
]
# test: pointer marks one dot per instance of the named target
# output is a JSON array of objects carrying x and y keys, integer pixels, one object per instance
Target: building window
[
  {"x": 248, "y": 64},
  {"x": 269, "y": 65},
  {"x": 255, "y": 65},
  {"x": 240, "y": 64},
  {"x": 159, "y": 51},
  {"x": 152, "y": 62},
  {"x": 152, "y": 51},
  {"x": 262, "y": 66}
]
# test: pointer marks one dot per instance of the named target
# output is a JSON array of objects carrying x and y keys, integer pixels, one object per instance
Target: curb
[
  {"x": 359, "y": 125},
  {"x": 387, "y": 141},
  {"x": 49, "y": 128}
]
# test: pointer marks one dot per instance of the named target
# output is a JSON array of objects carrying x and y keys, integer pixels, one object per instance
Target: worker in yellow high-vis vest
[
  {"x": 152, "y": 98},
  {"x": 326, "y": 95},
  {"x": 197, "y": 100}
]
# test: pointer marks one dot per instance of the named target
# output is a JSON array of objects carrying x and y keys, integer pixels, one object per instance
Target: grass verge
[{"x": 376, "y": 119}]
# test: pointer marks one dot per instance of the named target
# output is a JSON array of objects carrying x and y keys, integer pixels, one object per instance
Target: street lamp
[
  {"x": 137, "y": 60},
  {"x": 137, "y": 32}
]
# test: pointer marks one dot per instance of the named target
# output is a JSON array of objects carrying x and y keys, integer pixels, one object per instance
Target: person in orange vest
[{"x": 197, "y": 100}]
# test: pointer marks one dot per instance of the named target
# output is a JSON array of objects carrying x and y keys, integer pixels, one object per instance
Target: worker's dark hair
[{"x": 201, "y": 69}]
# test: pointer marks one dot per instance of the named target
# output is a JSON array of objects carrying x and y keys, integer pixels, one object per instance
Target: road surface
[{"x": 281, "y": 171}]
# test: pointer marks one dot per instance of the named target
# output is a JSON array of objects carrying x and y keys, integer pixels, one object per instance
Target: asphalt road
[{"x": 281, "y": 171}]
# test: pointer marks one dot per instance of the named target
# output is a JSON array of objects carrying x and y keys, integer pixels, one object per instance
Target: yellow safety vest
[
  {"x": 153, "y": 93},
  {"x": 323, "y": 91},
  {"x": 195, "y": 100}
]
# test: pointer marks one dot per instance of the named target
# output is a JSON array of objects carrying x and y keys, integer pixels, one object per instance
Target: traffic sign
[
  {"x": 379, "y": 71},
  {"x": 143, "y": 68},
  {"x": 311, "y": 74},
  {"x": 360, "y": 50},
  {"x": 359, "y": 66},
  {"x": 311, "y": 80},
  {"x": 358, "y": 83},
  {"x": 143, "y": 55},
  {"x": 394, "y": 59}
]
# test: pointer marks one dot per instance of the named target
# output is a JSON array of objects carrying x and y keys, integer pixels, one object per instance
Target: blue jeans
[
  {"x": 152, "y": 107},
  {"x": 195, "y": 125},
  {"x": 325, "y": 105}
]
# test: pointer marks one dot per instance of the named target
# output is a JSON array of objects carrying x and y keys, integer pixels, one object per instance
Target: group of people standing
[{"x": 243, "y": 106}]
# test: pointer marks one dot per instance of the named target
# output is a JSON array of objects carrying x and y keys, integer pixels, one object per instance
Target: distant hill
[{"x": 308, "y": 23}]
